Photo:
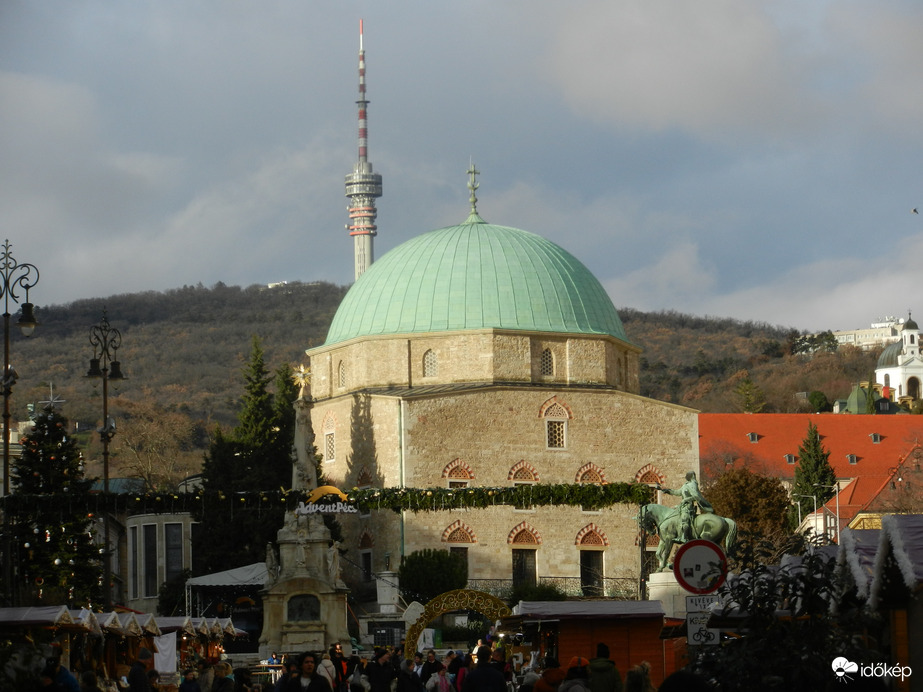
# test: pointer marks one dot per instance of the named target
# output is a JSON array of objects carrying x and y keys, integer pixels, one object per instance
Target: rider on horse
[{"x": 691, "y": 496}]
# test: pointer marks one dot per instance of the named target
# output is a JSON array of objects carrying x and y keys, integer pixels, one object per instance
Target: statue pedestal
[
  {"x": 663, "y": 587},
  {"x": 304, "y": 603}
]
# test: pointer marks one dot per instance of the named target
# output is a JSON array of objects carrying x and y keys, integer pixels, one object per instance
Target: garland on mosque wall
[{"x": 588, "y": 496}]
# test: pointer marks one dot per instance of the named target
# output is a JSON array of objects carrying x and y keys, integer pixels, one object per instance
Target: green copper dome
[{"x": 474, "y": 276}]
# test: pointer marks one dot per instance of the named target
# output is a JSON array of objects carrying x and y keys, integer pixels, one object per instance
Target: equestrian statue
[{"x": 693, "y": 518}]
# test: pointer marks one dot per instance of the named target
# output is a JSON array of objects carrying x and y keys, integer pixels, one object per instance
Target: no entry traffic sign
[{"x": 700, "y": 566}]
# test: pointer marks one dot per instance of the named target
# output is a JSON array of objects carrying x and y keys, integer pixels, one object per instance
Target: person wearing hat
[
  {"x": 484, "y": 677},
  {"x": 604, "y": 676},
  {"x": 137, "y": 676},
  {"x": 552, "y": 676},
  {"x": 578, "y": 676}
]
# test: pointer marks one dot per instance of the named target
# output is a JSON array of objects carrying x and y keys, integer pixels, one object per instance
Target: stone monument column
[{"x": 304, "y": 602}]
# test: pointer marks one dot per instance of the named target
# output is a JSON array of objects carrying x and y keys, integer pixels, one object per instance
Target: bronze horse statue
[{"x": 666, "y": 521}]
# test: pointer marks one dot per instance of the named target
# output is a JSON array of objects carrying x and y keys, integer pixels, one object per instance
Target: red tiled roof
[{"x": 724, "y": 440}]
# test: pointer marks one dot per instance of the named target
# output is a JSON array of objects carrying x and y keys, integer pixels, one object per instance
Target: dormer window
[
  {"x": 852, "y": 458},
  {"x": 789, "y": 458},
  {"x": 876, "y": 438},
  {"x": 753, "y": 437}
]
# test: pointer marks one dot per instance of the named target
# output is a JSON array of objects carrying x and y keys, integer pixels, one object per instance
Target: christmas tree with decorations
[{"x": 57, "y": 560}]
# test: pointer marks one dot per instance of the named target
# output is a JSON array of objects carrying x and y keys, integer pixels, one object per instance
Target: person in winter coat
[
  {"x": 328, "y": 670},
  {"x": 379, "y": 671},
  {"x": 307, "y": 679},
  {"x": 407, "y": 680},
  {"x": 189, "y": 683},
  {"x": 578, "y": 676},
  {"x": 484, "y": 677},
  {"x": 552, "y": 676},
  {"x": 604, "y": 676},
  {"x": 224, "y": 677}
]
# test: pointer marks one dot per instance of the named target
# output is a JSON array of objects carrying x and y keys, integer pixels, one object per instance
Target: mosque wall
[
  {"x": 500, "y": 437},
  {"x": 492, "y": 534},
  {"x": 475, "y": 356}
]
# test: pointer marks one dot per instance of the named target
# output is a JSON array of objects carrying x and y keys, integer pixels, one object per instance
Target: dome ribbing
[{"x": 475, "y": 276}]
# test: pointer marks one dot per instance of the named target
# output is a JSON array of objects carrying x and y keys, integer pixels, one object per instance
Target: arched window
[
  {"x": 330, "y": 437},
  {"x": 341, "y": 375},
  {"x": 458, "y": 532},
  {"x": 524, "y": 541},
  {"x": 547, "y": 363},
  {"x": 458, "y": 474},
  {"x": 303, "y": 608},
  {"x": 556, "y": 417},
  {"x": 430, "y": 364},
  {"x": 590, "y": 473},
  {"x": 522, "y": 472}
]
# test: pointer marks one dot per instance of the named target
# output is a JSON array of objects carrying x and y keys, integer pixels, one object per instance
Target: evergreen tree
[
  {"x": 255, "y": 421},
  {"x": 750, "y": 397},
  {"x": 257, "y": 455},
  {"x": 870, "y": 408},
  {"x": 424, "y": 574},
  {"x": 58, "y": 561},
  {"x": 284, "y": 413},
  {"x": 814, "y": 476}
]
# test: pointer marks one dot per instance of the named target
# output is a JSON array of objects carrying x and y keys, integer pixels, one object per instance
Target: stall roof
[
  {"x": 248, "y": 575},
  {"x": 45, "y": 616},
  {"x": 570, "y": 610},
  {"x": 88, "y": 619},
  {"x": 180, "y": 623}
]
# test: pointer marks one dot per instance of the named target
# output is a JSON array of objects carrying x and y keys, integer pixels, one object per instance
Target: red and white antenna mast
[{"x": 363, "y": 186}]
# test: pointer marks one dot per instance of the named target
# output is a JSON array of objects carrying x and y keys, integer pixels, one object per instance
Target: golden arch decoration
[{"x": 459, "y": 599}]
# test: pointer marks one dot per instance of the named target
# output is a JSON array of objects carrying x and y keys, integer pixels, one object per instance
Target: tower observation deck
[{"x": 363, "y": 186}]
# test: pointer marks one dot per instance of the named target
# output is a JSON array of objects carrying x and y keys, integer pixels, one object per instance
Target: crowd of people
[{"x": 485, "y": 669}]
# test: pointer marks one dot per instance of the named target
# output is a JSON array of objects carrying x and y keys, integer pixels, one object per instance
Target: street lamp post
[
  {"x": 104, "y": 365},
  {"x": 14, "y": 276},
  {"x": 813, "y": 497},
  {"x": 836, "y": 488}
]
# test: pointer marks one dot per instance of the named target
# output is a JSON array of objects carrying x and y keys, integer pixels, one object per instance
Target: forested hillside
[{"x": 183, "y": 352}]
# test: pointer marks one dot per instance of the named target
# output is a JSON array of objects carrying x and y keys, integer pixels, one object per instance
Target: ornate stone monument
[{"x": 304, "y": 602}]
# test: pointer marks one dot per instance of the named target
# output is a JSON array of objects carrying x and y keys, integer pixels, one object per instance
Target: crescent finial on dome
[{"x": 473, "y": 185}]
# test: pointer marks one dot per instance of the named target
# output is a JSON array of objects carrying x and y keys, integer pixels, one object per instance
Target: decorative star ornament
[{"x": 301, "y": 376}]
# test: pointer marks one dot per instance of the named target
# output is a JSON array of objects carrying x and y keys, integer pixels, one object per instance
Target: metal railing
[{"x": 620, "y": 588}]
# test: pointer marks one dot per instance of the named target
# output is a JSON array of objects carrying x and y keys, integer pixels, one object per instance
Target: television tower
[{"x": 363, "y": 186}]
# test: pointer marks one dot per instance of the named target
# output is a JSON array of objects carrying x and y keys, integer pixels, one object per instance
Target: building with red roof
[{"x": 876, "y": 458}]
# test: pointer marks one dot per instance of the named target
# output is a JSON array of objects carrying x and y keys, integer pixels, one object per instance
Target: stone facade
[{"x": 493, "y": 408}]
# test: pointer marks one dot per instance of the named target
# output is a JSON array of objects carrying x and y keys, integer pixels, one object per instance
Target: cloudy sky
[{"x": 732, "y": 158}]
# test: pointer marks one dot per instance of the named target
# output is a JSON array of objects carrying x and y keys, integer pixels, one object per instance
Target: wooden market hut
[{"x": 563, "y": 629}]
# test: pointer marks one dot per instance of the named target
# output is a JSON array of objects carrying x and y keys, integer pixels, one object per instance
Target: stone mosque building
[{"x": 484, "y": 355}]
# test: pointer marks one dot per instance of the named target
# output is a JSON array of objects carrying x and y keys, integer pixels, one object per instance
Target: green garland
[{"x": 589, "y": 496}]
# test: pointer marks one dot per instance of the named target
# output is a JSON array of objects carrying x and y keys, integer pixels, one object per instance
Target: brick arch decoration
[
  {"x": 458, "y": 469},
  {"x": 459, "y": 599},
  {"x": 524, "y": 534},
  {"x": 330, "y": 422},
  {"x": 365, "y": 540},
  {"x": 522, "y": 471},
  {"x": 591, "y": 535},
  {"x": 459, "y": 532},
  {"x": 649, "y": 474},
  {"x": 590, "y": 473},
  {"x": 556, "y": 408}
]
